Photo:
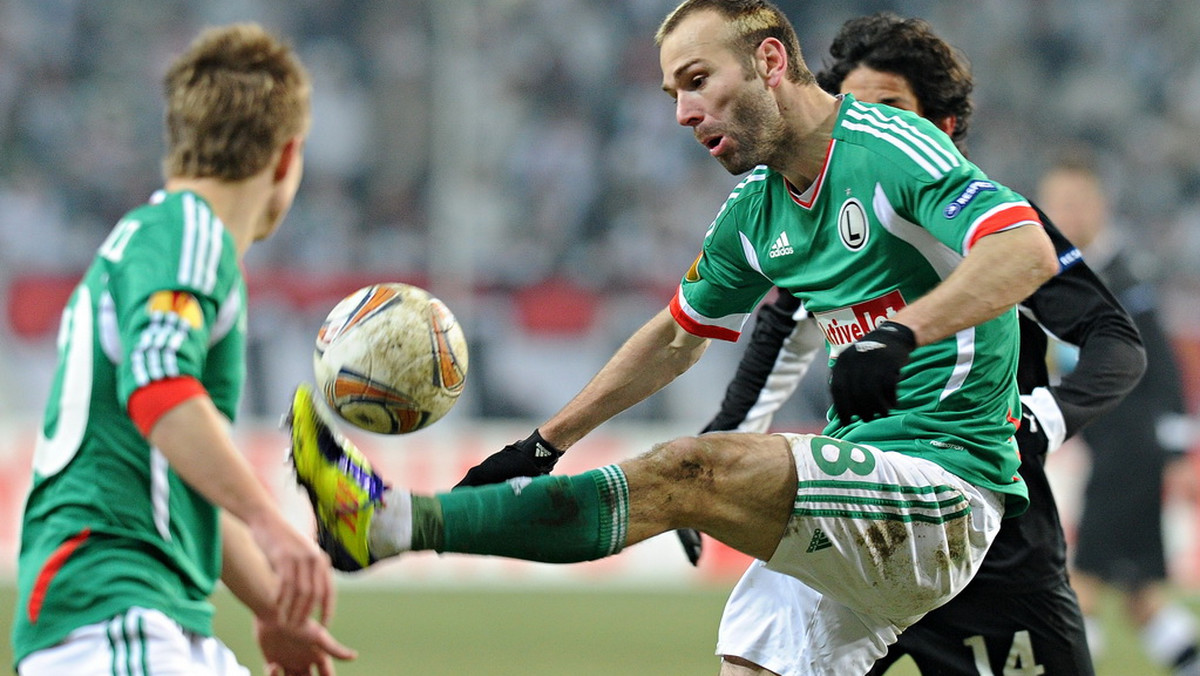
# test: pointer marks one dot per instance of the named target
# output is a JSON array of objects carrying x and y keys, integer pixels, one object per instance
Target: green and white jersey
[
  {"x": 107, "y": 523},
  {"x": 893, "y": 211}
]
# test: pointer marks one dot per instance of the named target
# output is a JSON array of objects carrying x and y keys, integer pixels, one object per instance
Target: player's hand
[
  {"x": 1031, "y": 436},
  {"x": 864, "y": 377},
  {"x": 533, "y": 456},
  {"x": 693, "y": 544},
  {"x": 296, "y": 651},
  {"x": 305, "y": 575}
]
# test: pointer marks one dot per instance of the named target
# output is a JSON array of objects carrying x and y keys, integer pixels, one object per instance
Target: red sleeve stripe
[
  {"x": 687, "y": 318},
  {"x": 1003, "y": 218},
  {"x": 53, "y": 564},
  {"x": 151, "y": 402}
]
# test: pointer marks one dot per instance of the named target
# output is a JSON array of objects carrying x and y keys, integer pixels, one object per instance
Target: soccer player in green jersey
[
  {"x": 139, "y": 501},
  {"x": 910, "y": 259},
  {"x": 1019, "y": 613}
]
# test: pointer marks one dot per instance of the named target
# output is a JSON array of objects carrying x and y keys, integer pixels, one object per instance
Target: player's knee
[{"x": 695, "y": 461}]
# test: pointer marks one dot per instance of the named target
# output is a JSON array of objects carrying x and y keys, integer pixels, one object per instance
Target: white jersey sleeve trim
[
  {"x": 983, "y": 218},
  {"x": 942, "y": 258},
  {"x": 1042, "y": 404},
  {"x": 893, "y": 129},
  {"x": 728, "y": 327},
  {"x": 962, "y": 368},
  {"x": 750, "y": 253}
]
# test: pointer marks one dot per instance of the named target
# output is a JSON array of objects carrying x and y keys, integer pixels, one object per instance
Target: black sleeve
[
  {"x": 1077, "y": 308},
  {"x": 773, "y": 325}
]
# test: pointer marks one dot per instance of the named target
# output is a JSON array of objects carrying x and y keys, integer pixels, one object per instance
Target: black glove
[
  {"x": 864, "y": 377},
  {"x": 1031, "y": 436},
  {"x": 533, "y": 456}
]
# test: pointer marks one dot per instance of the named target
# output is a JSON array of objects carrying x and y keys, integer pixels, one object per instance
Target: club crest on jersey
[
  {"x": 964, "y": 198},
  {"x": 852, "y": 225},
  {"x": 846, "y": 325}
]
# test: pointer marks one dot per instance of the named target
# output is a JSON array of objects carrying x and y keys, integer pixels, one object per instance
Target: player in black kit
[{"x": 1019, "y": 615}]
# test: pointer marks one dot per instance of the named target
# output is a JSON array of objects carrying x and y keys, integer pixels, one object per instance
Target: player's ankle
[{"x": 405, "y": 522}]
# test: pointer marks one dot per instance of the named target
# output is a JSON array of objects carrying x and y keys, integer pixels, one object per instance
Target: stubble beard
[{"x": 762, "y": 134}]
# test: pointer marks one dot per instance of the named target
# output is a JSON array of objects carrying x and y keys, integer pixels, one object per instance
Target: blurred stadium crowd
[{"x": 519, "y": 158}]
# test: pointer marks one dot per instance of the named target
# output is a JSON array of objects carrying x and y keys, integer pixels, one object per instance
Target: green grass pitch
[{"x": 562, "y": 631}]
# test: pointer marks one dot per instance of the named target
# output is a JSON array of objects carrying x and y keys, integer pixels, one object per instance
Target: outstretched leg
[{"x": 739, "y": 488}]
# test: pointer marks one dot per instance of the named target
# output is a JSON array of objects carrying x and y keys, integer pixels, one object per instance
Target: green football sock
[{"x": 554, "y": 519}]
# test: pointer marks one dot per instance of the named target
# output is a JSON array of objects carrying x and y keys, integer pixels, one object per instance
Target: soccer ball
[{"x": 390, "y": 358}]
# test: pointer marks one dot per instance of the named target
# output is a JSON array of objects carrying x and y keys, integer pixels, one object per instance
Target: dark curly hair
[{"x": 939, "y": 74}]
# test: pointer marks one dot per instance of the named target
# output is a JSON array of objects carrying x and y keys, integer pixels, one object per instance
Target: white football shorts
[
  {"x": 138, "y": 642},
  {"x": 876, "y": 540}
]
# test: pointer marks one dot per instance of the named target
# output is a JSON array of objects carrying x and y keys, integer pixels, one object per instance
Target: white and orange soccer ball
[{"x": 390, "y": 358}]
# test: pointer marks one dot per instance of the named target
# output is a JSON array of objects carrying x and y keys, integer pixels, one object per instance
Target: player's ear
[
  {"x": 289, "y": 154},
  {"x": 947, "y": 124},
  {"x": 771, "y": 61}
]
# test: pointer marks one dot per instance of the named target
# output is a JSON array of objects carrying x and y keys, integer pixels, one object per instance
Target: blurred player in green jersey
[{"x": 139, "y": 501}]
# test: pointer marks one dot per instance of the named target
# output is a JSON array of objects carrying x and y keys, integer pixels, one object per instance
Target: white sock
[
  {"x": 1168, "y": 634},
  {"x": 391, "y": 527}
]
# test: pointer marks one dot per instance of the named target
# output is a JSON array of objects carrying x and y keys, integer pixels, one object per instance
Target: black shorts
[{"x": 1021, "y": 631}]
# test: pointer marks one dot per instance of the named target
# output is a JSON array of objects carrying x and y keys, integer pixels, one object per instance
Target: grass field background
[{"x": 571, "y": 632}]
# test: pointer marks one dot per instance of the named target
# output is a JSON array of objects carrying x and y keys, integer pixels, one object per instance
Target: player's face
[
  {"x": 731, "y": 111},
  {"x": 1076, "y": 202}
]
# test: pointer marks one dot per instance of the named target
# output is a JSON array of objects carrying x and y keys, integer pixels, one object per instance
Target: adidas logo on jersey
[
  {"x": 818, "y": 542},
  {"x": 781, "y": 247}
]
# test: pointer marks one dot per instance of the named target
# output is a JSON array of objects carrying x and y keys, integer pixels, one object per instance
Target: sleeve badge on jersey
[
  {"x": 693, "y": 273},
  {"x": 179, "y": 303}
]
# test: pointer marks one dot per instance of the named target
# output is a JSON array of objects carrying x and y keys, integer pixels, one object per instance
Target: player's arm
[
  {"x": 654, "y": 356},
  {"x": 999, "y": 271},
  {"x": 179, "y": 419},
  {"x": 724, "y": 287},
  {"x": 248, "y": 575},
  {"x": 1076, "y": 307}
]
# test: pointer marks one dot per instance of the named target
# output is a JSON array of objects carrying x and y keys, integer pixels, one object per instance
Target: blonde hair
[
  {"x": 232, "y": 100},
  {"x": 751, "y": 22}
]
